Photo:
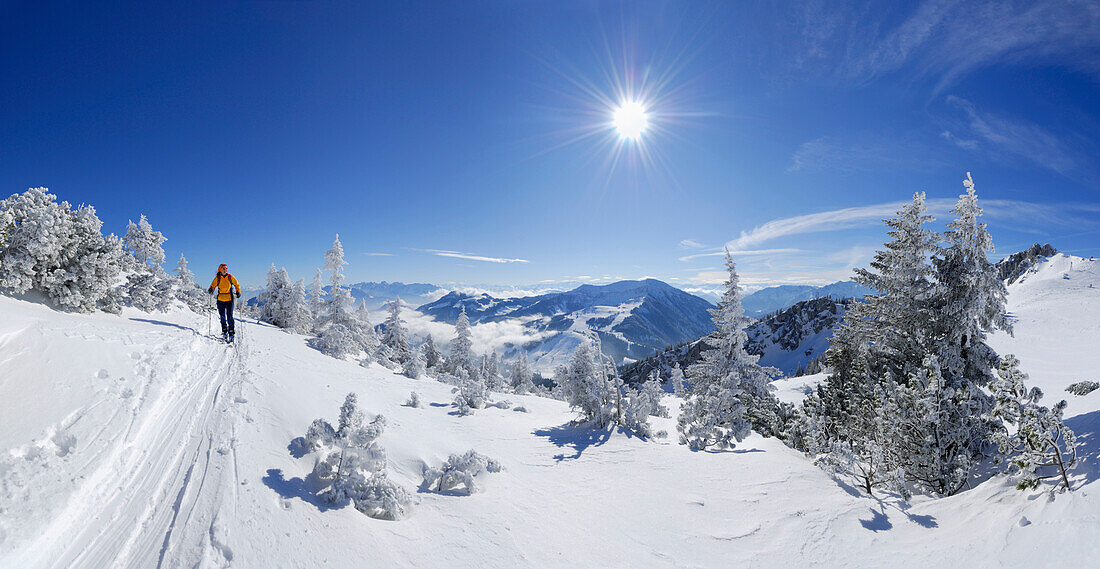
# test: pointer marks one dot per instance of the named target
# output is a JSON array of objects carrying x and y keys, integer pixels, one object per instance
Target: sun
[{"x": 630, "y": 119}]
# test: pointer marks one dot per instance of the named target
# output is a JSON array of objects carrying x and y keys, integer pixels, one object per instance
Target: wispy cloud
[
  {"x": 741, "y": 253},
  {"x": 471, "y": 256},
  {"x": 691, "y": 244},
  {"x": 858, "y": 154},
  {"x": 379, "y": 254},
  {"x": 1013, "y": 139},
  {"x": 943, "y": 40}
]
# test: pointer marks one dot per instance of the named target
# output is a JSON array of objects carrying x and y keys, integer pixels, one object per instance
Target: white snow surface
[{"x": 138, "y": 441}]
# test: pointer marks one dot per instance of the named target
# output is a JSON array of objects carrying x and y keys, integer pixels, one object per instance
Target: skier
[{"x": 225, "y": 282}]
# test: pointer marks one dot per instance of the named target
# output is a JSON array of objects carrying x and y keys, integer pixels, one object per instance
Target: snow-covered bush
[
  {"x": 148, "y": 287},
  {"x": 642, "y": 403},
  {"x": 351, "y": 464},
  {"x": 730, "y": 392},
  {"x": 337, "y": 341},
  {"x": 1082, "y": 388},
  {"x": 459, "y": 470},
  {"x": 58, "y": 251},
  {"x": 470, "y": 393},
  {"x": 414, "y": 400},
  {"x": 1042, "y": 447}
]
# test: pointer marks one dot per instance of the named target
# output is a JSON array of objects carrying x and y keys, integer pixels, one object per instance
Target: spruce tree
[{"x": 730, "y": 392}]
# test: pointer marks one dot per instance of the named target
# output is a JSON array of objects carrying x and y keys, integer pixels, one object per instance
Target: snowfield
[{"x": 138, "y": 441}]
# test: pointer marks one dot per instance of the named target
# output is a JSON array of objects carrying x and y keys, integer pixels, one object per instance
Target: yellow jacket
[{"x": 225, "y": 286}]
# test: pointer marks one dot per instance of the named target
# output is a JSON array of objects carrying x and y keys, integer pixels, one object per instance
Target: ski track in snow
[{"x": 163, "y": 476}]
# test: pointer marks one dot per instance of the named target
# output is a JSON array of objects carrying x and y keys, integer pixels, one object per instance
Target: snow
[{"x": 178, "y": 456}]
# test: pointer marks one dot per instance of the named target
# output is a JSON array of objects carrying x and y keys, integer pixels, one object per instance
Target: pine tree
[
  {"x": 462, "y": 346},
  {"x": 340, "y": 332},
  {"x": 145, "y": 244},
  {"x": 590, "y": 385},
  {"x": 1041, "y": 446},
  {"x": 352, "y": 464},
  {"x": 395, "y": 338},
  {"x": 432, "y": 358},
  {"x": 730, "y": 392},
  {"x": 521, "y": 375},
  {"x": 187, "y": 290},
  {"x": 317, "y": 297}
]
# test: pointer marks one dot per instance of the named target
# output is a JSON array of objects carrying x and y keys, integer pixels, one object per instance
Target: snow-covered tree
[
  {"x": 520, "y": 379},
  {"x": 459, "y": 470},
  {"x": 590, "y": 385},
  {"x": 641, "y": 403},
  {"x": 730, "y": 392},
  {"x": 340, "y": 332},
  {"x": 1041, "y": 446},
  {"x": 395, "y": 337},
  {"x": 145, "y": 244},
  {"x": 432, "y": 358},
  {"x": 61, "y": 252},
  {"x": 187, "y": 290},
  {"x": 490, "y": 372},
  {"x": 415, "y": 366},
  {"x": 972, "y": 301},
  {"x": 414, "y": 400},
  {"x": 470, "y": 392},
  {"x": 317, "y": 297},
  {"x": 352, "y": 464},
  {"x": 462, "y": 346}
]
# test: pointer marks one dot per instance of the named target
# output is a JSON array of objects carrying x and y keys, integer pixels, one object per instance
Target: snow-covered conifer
[
  {"x": 1041, "y": 446},
  {"x": 352, "y": 464},
  {"x": 590, "y": 385},
  {"x": 145, "y": 244},
  {"x": 58, "y": 251},
  {"x": 459, "y": 470},
  {"x": 414, "y": 400},
  {"x": 520, "y": 379},
  {"x": 432, "y": 358},
  {"x": 414, "y": 367},
  {"x": 395, "y": 337},
  {"x": 462, "y": 346},
  {"x": 730, "y": 392},
  {"x": 470, "y": 393}
]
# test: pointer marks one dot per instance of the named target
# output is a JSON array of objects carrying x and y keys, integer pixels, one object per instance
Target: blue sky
[{"x": 470, "y": 142}]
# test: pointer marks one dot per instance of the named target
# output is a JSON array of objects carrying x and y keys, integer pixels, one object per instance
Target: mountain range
[{"x": 633, "y": 319}]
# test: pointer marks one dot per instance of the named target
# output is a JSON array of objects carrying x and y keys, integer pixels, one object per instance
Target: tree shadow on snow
[
  {"x": 880, "y": 520},
  {"x": 304, "y": 489},
  {"x": 1087, "y": 429},
  {"x": 577, "y": 437},
  {"x": 163, "y": 323}
]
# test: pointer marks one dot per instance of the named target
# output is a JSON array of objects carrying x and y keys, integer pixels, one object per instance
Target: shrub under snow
[
  {"x": 352, "y": 464},
  {"x": 459, "y": 470}
]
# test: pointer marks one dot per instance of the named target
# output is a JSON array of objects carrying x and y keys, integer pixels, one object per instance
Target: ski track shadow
[
  {"x": 163, "y": 323},
  {"x": 1087, "y": 429},
  {"x": 301, "y": 488},
  {"x": 578, "y": 437}
]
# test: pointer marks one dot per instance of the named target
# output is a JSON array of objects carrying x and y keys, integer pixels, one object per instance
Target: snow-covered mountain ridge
[{"x": 633, "y": 318}]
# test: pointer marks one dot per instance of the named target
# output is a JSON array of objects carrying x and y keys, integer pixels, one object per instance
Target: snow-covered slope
[
  {"x": 139, "y": 442},
  {"x": 633, "y": 318}
]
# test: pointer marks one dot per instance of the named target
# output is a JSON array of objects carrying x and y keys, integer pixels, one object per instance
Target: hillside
[{"x": 136, "y": 441}]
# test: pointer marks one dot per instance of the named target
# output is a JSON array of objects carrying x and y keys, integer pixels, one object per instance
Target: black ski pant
[{"x": 225, "y": 312}]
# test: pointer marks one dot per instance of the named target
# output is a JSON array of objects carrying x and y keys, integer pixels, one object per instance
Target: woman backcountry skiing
[{"x": 225, "y": 282}]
